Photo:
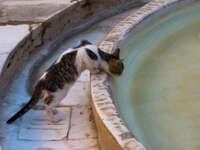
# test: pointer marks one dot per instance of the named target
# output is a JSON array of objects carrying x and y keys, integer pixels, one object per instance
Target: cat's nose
[
  {"x": 119, "y": 69},
  {"x": 116, "y": 67}
]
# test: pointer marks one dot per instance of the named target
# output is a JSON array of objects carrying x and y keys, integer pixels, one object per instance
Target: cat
[{"x": 54, "y": 84}]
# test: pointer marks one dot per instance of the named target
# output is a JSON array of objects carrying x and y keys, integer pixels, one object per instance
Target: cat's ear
[
  {"x": 116, "y": 53},
  {"x": 83, "y": 43},
  {"x": 91, "y": 54}
]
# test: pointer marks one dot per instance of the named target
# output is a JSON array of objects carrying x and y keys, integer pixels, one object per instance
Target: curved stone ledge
[
  {"x": 63, "y": 24},
  {"x": 113, "y": 133}
]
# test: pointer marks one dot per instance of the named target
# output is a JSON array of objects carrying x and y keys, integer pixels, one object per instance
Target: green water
[{"x": 159, "y": 93}]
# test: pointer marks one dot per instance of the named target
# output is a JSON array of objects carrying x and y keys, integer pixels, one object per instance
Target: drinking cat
[{"x": 54, "y": 84}]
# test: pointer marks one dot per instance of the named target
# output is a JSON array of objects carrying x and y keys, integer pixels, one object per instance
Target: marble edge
[{"x": 100, "y": 93}]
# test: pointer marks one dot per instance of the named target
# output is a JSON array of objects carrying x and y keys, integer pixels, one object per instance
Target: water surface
[{"x": 159, "y": 93}]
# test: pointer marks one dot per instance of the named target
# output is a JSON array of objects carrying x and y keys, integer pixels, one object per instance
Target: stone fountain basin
[
  {"x": 154, "y": 104},
  {"x": 35, "y": 53}
]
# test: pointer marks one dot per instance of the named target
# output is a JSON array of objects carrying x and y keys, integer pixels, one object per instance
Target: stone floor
[
  {"x": 29, "y": 11},
  {"x": 78, "y": 130}
]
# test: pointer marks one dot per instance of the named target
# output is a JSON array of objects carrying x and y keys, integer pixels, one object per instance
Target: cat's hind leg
[
  {"x": 50, "y": 107},
  {"x": 53, "y": 115}
]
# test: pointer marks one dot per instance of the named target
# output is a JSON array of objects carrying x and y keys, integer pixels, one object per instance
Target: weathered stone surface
[
  {"x": 38, "y": 134},
  {"x": 85, "y": 76},
  {"x": 79, "y": 94},
  {"x": 7, "y": 132},
  {"x": 82, "y": 143},
  {"x": 36, "y": 145},
  {"x": 3, "y": 58},
  {"x": 82, "y": 124},
  {"x": 33, "y": 11},
  {"x": 35, "y": 126},
  {"x": 107, "y": 25},
  {"x": 92, "y": 148},
  {"x": 11, "y": 35}
]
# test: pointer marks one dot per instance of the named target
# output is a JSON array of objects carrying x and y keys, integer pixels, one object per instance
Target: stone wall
[{"x": 76, "y": 16}]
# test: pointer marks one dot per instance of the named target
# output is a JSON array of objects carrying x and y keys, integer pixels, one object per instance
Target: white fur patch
[
  {"x": 61, "y": 93},
  {"x": 43, "y": 76},
  {"x": 94, "y": 66},
  {"x": 93, "y": 48}
]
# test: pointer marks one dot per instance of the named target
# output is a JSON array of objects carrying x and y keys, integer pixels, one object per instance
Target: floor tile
[
  {"x": 79, "y": 94},
  {"x": 35, "y": 126},
  {"x": 82, "y": 124},
  {"x": 10, "y": 35}
]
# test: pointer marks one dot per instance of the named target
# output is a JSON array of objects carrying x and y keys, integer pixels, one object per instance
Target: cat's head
[{"x": 96, "y": 60}]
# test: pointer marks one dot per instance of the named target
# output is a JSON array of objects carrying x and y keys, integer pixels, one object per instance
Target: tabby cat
[{"x": 54, "y": 84}]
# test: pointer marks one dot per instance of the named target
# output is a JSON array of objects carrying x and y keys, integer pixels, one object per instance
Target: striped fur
[{"x": 54, "y": 84}]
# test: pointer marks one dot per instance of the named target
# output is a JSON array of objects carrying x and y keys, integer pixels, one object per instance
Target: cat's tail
[{"x": 32, "y": 102}]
